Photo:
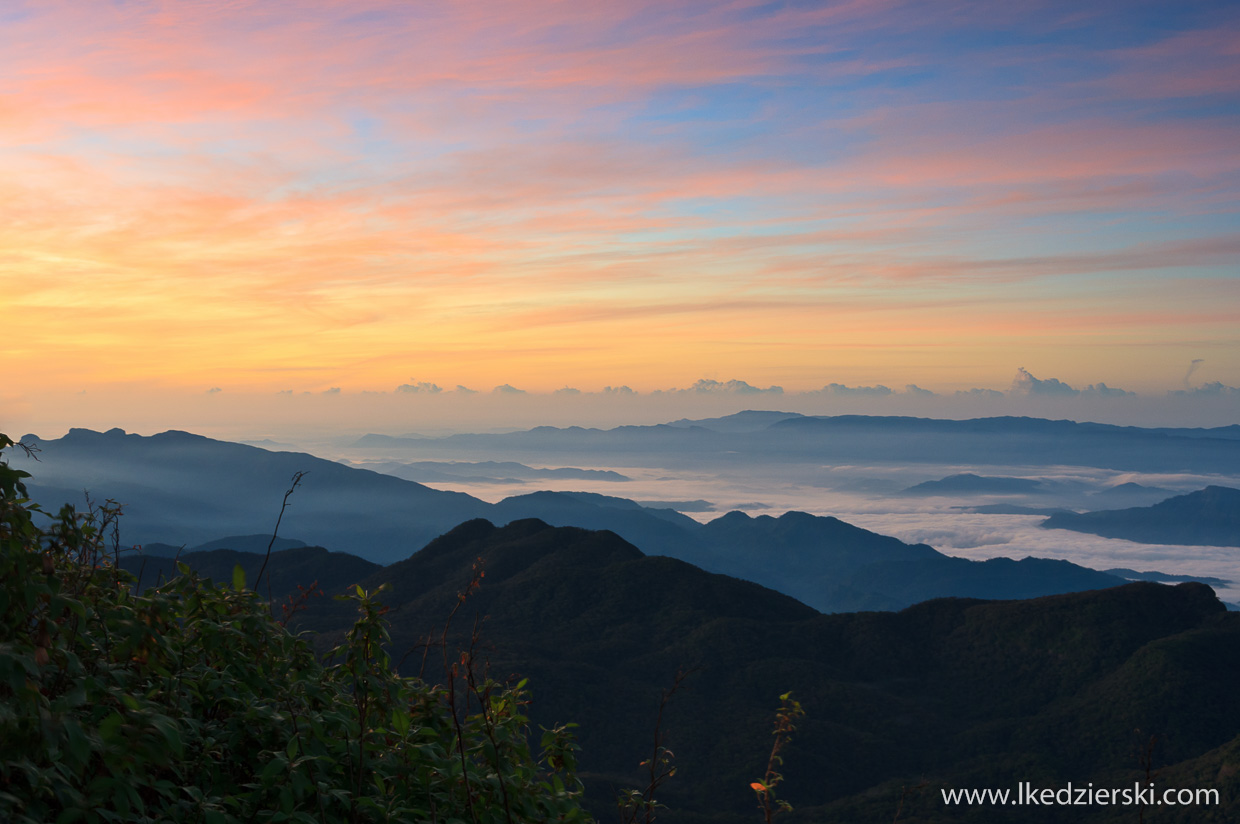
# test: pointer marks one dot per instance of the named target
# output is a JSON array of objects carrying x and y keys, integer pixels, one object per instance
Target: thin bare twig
[
  {"x": 659, "y": 766},
  {"x": 297, "y": 476},
  {"x": 476, "y": 575},
  {"x": 905, "y": 792}
]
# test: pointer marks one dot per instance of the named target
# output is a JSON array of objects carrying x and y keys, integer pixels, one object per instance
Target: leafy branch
[{"x": 786, "y": 717}]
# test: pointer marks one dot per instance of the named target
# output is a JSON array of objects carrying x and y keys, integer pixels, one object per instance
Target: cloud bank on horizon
[
  {"x": 1024, "y": 385},
  {"x": 426, "y": 408},
  {"x": 529, "y": 194}
]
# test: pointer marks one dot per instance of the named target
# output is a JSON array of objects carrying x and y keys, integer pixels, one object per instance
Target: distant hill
[
  {"x": 183, "y": 488},
  {"x": 831, "y": 565},
  {"x": 268, "y": 443},
  {"x": 333, "y": 571},
  {"x": 1231, "y": 432},
  {"x": 594, "y": 511},
  {"x": 1132, "y": 493},
  {"x": 697, "y": 505},
  {"x": 241, "y": 543},
  {"x": 742, "y": 439},
  {"x": 1012, "y": 509},
  {"x": 748, "y": 421},
  {"x": 1163, "y": 577},
  {"x": 1008, "y": 441},
  {"x": 249, "y": 543},
  {"x": 952, "y": 692},
  {"x": 1208, "y": 517},
  {"x": 837, "y": 567},
  {"x": 487, "y": 472},
  {"x": 970, "y": 484}
]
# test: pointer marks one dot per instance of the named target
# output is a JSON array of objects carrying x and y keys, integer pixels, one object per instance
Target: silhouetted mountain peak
[
  {"x": 536, "y": 539},
  {"x": 525, "y": 549},
  {"x": 736, "y": 517},
  {"x": 79, "y": 434},
  {"x": 546, "y": 496},
  {"x": 81, "y": 437},
  {"x": 1209, "y": 517},
  {"x": 566, "y": 501},
  {"x": 825, "y": 529},
  {"x": 1216, "y": 493},
  {"x": 968, "y": 483},
  {"x": 181, "y": 436},
  {"x": 1215, "y": 503},
  {"x": 1130, "y": 486},
  {"x": 288, "y": 568},
  {"x": 796, "y": 518},
  {"x": 452, "y": 544},
  {"x": 249, "y": 543},
  {"x": 749, "y": 420},
  {"x": 477, "y": 529},
  {"x": 590, "y": 498}
]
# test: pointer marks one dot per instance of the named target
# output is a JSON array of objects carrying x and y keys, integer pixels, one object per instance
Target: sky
[{"x": 225, "y": 205}]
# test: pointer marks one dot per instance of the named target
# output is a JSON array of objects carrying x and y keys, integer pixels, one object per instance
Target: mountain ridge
[
  {"x": 952, "y": 690},
  {"x": 1001, "y": 440},
  {"x": 182, "y": 488},
  {"x": 1207, "y": 517}
]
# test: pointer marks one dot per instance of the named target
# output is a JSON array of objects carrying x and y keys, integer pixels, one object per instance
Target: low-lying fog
[{"x": 874, "y": 497}]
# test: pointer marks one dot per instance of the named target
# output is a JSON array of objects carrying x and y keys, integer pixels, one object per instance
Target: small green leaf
[
  {"x": 272, "y": 769},
  {"x": 171, "y": 734},
  {"x": 238, "y": 578},
  {"x": 400, "y": 721},
  {"x": 70, "y": 815}
]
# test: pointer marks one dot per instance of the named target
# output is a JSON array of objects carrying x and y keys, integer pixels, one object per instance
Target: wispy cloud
[{"x": 539, "y": 192}]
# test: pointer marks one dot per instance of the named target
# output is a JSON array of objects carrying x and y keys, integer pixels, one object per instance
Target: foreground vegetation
[{"x": 192, "y": 703}]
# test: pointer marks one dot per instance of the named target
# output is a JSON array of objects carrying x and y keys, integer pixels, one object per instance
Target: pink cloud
[
  {"x": 1185, "y": 64},
  {"x": 499, "y": 166}
]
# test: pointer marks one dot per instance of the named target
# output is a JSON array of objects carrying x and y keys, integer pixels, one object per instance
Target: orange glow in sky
[{"x": 263, "y": 198}]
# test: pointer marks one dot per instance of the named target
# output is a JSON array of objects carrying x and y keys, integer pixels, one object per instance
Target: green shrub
[{"x": 190, "y": 703}]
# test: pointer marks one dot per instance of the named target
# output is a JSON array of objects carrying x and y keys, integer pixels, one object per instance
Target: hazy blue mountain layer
[
  {"x": 747, "y": 437},
  {"x": 509, "y": 472},
  {"x": 1208, "y": 517},
  {"x": 181, "y": 489},
  {"x": 969, "y": 484}
]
